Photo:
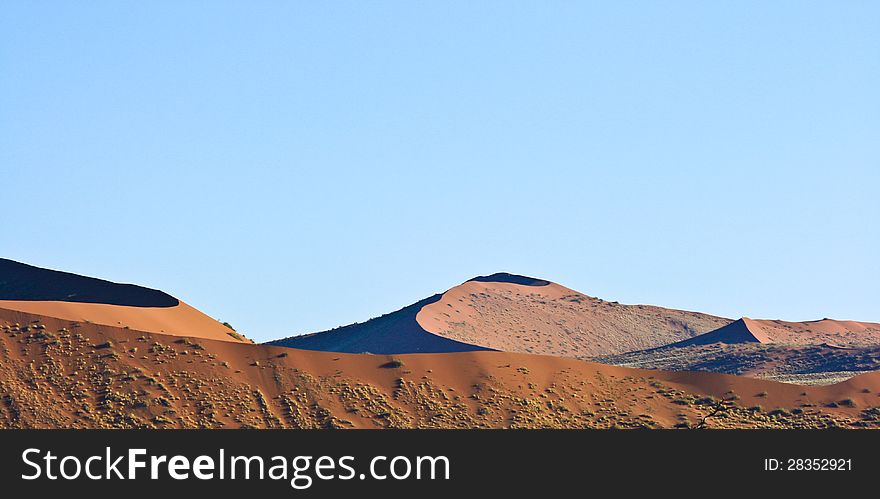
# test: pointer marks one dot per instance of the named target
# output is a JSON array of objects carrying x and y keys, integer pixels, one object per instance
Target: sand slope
[
  {"x": 180, "y": 320},
  {"x": 396, "y": 332}
]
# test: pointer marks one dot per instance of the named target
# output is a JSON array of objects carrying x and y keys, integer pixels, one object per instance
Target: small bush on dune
[{"x": 393, "y": 364}]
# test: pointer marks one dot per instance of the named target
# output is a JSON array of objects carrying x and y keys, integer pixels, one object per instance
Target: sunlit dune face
[{"x": 555, "y": 320}]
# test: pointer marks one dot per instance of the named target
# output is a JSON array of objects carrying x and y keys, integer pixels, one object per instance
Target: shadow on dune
[
  {"x": 394, "y": 333},
  {"x": 19, "y": 281},
  {"x": 511, "y": 278}
]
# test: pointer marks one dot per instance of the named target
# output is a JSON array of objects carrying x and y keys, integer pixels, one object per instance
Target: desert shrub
[
  {"x": 871, "y": 414},
  {"x": 235, "y": 335},
  {"x": 393, "y": 364}
]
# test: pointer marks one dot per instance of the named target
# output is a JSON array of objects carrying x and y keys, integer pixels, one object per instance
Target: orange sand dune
[
  {"x": 555, "y": 320},
  {"x": 849, "y": 333},
  {"x": 179, "y": 320}
]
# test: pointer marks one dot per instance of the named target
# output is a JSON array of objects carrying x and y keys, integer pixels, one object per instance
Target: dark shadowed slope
[
  {"x": 743, "y": 330},
  {"x": 397, "y": 332},
  {"x": 22, "y": 282},
  {"x": 77, "y": 298}
]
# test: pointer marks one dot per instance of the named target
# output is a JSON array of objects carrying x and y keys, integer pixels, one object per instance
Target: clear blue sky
[{"x": 291, "y": 167}]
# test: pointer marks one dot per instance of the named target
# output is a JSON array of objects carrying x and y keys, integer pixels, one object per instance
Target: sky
[{"x": 294, "y": 166}]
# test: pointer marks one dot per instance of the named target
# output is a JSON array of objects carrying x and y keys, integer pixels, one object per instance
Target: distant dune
[
  {"x": 78, "y": 298},
  {"x": 825, "y": 331},
  {"x": 514, "y": 313},
  {"x": 813, "y": 352}
]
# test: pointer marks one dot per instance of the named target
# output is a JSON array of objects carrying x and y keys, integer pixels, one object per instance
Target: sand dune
[
  {"x": 551, "y": 319},
  {"x": 96, "y": 376},
  {"x": 742, "y": 330},
  {"x": 516, "y": 314},
  {"x": 830, "y": 331},
  {"x": 825, "y": 331},
  {"x": 815, "y": 352}
]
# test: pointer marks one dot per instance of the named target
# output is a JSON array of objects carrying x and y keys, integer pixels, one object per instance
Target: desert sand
[{"x": 59, "y": 374}]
